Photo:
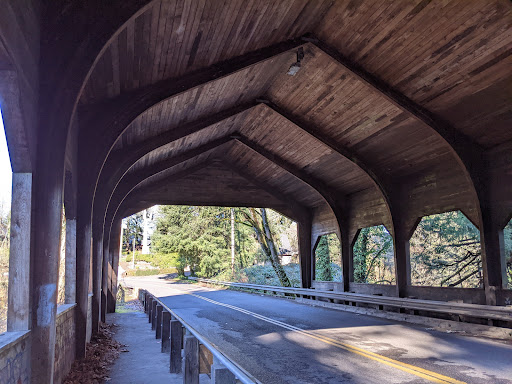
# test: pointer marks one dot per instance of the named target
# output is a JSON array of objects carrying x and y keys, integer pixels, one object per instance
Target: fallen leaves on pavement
[{"x": 101, "y": 353}]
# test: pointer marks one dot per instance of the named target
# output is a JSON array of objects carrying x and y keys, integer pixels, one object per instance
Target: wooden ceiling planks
[
  {"x": 450, "y": 57},
  {"x": 357, "y": 118},
  {"x": 241, "y": 87},
  {"x": 280, "y": 136},
  {"x": 192, "y": 35},
  {"x": 183, "y": 145},
  {"x": 276, "y": 177},
  {"x": 432, "y": 52},
  {"x": 215, "y": 180}
]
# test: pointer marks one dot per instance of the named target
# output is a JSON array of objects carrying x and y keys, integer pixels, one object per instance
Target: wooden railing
[
  {"x": 199, "y": 355},
  {"x": 486, "y": 312}
]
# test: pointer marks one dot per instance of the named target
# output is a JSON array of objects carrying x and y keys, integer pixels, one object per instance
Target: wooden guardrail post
[
  {"x": 205, "y": 360},
  {"x": 159, "y": 309},
  {"x": 191, "y": 361},
  {"x": 220, "y": 374},
  {"x": 176, "y": 341},
  {"x": 150, "y": 308},
  {"x": 153, "y": 315},
  {"x": 166, "y": 331},
  {"x": 145, "y": 302}
]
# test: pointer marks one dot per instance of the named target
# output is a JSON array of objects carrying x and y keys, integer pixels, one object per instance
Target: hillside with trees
[
  {"x": 242, "y": 244},
  {"x": 248, "y": 244}
]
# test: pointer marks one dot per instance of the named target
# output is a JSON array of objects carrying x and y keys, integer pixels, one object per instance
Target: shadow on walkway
[{"x": 143, "y": 362}]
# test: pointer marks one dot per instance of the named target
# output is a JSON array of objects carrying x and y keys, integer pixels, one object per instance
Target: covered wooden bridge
[{"x": 339, "y": 114}]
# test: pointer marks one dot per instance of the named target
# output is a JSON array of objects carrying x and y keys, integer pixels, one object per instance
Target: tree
[
  {"x": 328, "y": 258},
  {"x": 133, "y": 230},
  {"x": 507, "y": 234},
  {"x": 260, "y": 224},
  {"x": 445, "y": 251},
  {"x": 373, "y": 256},
  {"x": 323, "y": 270},
  {"x": 199, "y": 236}
]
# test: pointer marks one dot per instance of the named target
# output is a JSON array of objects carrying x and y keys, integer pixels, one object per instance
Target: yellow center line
[{"x": 412, "y": 369}]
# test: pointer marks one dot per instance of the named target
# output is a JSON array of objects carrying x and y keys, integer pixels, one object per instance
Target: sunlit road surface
[{"x": 279, "y": 341}]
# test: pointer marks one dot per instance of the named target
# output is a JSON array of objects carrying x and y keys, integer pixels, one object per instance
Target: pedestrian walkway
[{"x": 143, "y": 362}]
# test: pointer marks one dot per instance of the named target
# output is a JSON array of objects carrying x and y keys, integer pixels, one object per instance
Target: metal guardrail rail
[
  {"x": 193, "y": 343},
  {"x": 472, "y": 310}
]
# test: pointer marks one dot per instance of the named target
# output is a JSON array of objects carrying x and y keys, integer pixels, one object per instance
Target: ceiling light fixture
[{"x": 294, "y": 68}]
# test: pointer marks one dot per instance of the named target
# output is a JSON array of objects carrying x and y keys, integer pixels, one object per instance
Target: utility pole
[
  {"x": 133, "y": 254},
  {"x": 123, "y": 226},
  {"x": 233, "y": 240},
  {"x": 145, "y": 234}
]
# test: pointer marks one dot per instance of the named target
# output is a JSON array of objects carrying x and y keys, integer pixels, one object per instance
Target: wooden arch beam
[
  {"x": 113, "y": 117},
  {"x": 128, "y": 184},
  {"x": 467, "y": 152},
  {"x": 380, "y": 180},
  {"x": 131, "y": 183},
  {"x": 470, "y": 155},
  {"x": 120, "y": 161},
  {"x": 463, "y": 147},
  {"x": 302, "y": 213},
  {"x": 134, "y": 201},
  {"x": 320, "y": 186}
]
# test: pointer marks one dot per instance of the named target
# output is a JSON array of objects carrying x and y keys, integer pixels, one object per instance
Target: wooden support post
[
  {"x": 304, "y": 232},
  {"x": 104, "y": 281},
  {"x": 153, "y": 314},
  {"x": 145, "y": 302},
  {"x": 47, "y": 226},
  {"x": 158, "y": 325},
  {"x": 97, "y": 267},
  {"x": 114, "y": 252},
  {"x": 166, "y": 331},
  {"x": 346, "y": 246},
  {"x": 83, "y": 262},
  {"x": 176, "y": 342},
  {"x": 401, "y": 236},
  {"x": 150, "y": 309},
  {"x": 18, "y": 309},
  {"x": 191, "y": 360},
  {"x": 402, "y": 260},
  {"x": 493, "y": 254},
  {"x": 220, "y": 374},
  {"x": 70, "y": 281},
  {"x": 347, "y": 254},
  {"x": 205, "y": 360}
]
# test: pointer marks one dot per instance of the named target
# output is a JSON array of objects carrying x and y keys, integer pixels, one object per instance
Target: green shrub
[
  {"x": 151, "y": 272},
  {"x": 262, "y": 275}
]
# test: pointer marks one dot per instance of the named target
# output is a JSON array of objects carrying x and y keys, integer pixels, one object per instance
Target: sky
[{"x": 5, "y": 172}]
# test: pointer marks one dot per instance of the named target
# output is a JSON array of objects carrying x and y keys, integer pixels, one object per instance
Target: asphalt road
[{"x": 279, "y": 341}]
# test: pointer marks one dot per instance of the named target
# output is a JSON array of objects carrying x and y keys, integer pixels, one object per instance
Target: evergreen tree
[
  {"x": 199, "y": 236},
  {"x": 323, "y": 260}
]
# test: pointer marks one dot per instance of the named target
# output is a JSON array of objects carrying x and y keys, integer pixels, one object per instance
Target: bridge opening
[
  {"x": 328, "y": 258},
  {"x": 507, "y": 234},
  {"x": 445, "y": 252},
  {"x": 373, "y": 256},
  {"x": 5, "y": 220},
  {"x": 61, "y": 285},
  {"x": 254, "y": 245}
]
